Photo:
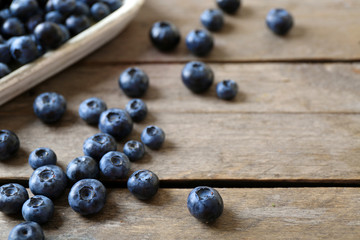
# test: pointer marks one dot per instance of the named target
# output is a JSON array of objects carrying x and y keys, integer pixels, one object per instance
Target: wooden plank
[
  {"x": 271, "y": 134},
  {"x": 324, "y": 30},
  {"x": 320, "y": 213}
]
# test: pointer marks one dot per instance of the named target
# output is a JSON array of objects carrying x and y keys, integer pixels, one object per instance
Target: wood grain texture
[
  {"x": 320, "y": 213},
  {"x": 324, "y": 30},
  {"x": 286, "y": 128}
]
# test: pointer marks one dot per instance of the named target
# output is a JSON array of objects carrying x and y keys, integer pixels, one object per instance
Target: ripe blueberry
[
  {"x": 115, "y": 165},
  {"x": 49, "y": 35},
  {"x": 81, "y": 168},
  {"x": 98, "y": 145},
  {"x": 49, "y": 107},
  {"x": 143, "y": 184},
  {"x": 205, "y": 204},
  {"x": 134, "y": 150},
  {"x": 38, "y": 209},
  {"x": 227, "y": 89},
  {"x": 212, "y": 19},
  {"x": 87, "y": 196},
  {"x": 90, "y": 110},
  {"x": 24, "y": 9},
  {"x": 137, "y": 109},
  {"x": 153, "y": 137},
  {"x": 64, "y": 6},
  {"x": 77, "y": 23},
  {"x": 12, "y": 27},
  {"x": 199, "y": 42},
  {"x": 197, "y": 76},
  {"x": 164, "y": 35},
  {"x": 12, "y": 197},
  {"x": 41, "y": 157},
  {"x": 229, "y": 6},
  {"x": 134, "y": 82},
  {"x": 48, "y": 180},
  {"x": 99, "y": 11},
  {"x": 27, "y": 231},
  {"x": 116, "y": 122},
  {"x": 23, "y": 49},
  {"x": 9, "y": 144},
  {"x": 279, "y": 21}
]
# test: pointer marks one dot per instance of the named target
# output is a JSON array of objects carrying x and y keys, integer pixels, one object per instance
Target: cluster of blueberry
[
  {"x": 87, "y": 195},
  {"x": 29, "y": 28}
]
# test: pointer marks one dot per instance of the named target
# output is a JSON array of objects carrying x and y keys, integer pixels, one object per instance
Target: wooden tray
[{"x": 72, "y": 51}]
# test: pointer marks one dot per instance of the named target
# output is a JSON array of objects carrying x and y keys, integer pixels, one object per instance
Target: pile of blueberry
[
  {"x": 29, "y": 28},
  {"x": 101, "y": 158}
]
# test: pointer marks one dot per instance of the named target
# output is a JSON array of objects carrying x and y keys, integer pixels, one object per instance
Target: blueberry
[
  {"x": 81, "y": 9},
  {"x": 227, "y": 89},
  {"x": 4, "y": 14},
  {"x": 153, "y": 137},
  {"x": 9, "y": 144},
  {"x": 116, "y": 122},
  {"x": 33, "y": 22},
  {"x": 41, "y": 157},
  {"x": 38, "y": 209},
  {"x": 12, "y": 197},
  {"x": 12, "y": 27},
  {"x": 77, "y": 23},
  {"x": 49, "y": 6},
  {"x": 49, "y": 107},
  {"x": 205, "y": 204},
  {"x": 48, "y": 180},
  {"x": 199, "y": 42},
  {"x": 137, "y": 109},
  {"x": 54, "y": 16},
  {"x": 64, "y": 33},
  {"x": 98, "y": 145},
  {"x": 49, "y": 35},
  {"x": 87, "y": 196},
  {"x": 24, "y": 9},
  {"x": 24, "y": 50},
  {"x": 197, "y": 76},
  {"x": 229, "y": 6},
  {"x": 212, "y": 19},
  {"x": 99, "y": 11},
  {"x": 90, "y": 110},
  {"x": 27, "y": 231},
  {"x": 64, "y": 6},
  {"x": 4, "y": 70},
  {"x": 164, "y": 35},
  {"x": 113, "y": 4},
  {"x": 134, "y": 150},
  {"x": 88, "y": 2},
  {"x": 81, "y": 168},
  {"x": 143, "y": 184},
  {"x": 134, "y": 82},
  {"x": 279, "y": 21},
  {"x": 5, "y": 56},
  {"x": 114, "y": 165}
]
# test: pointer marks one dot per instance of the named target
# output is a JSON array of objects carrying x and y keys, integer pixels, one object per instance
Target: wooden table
[{"x": 284, "y": 155}]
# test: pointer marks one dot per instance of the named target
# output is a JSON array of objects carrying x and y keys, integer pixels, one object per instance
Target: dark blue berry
[
  {"x": 137, "y": 109},
  {"x": 279, "y": 21},
  {"x": 87, "y": 196},
  {"x": 113, "y": 4},
  {"x": 38, "y": 209},
  {"x": 24, "y": 9},
  {"x": 212, "y": 19},
  {"x": 99, "y": 11},
  {"x": 12, "y": 27},
  {"x": 41, "y": 157},
  {"x": 49, "y": 6},
  {"x": 9, "y": 144},
  {"x": 54, "y": 16},
  {"x": 24, "y": 50},
  {"x": 48, "y": 180},
  {"x": 90, "y": 110},
  {"x": 5, "y": 56},
  {"x": 33, "y": 22},
  {"x": 4, "y": 70},
  {"x": 81, "y": 168},
  {"x": 12, "y": 197},
  {"x": 49, "y": 35},
  {"x": 81, "y": 9},
  {"x": 114, "y": 165},
  {"x": 64, "y": 6},
  {"x": 229, "y": 6},
  {"x": 98, "y": 145},
  {"x": 205, "y": 204},
  {"x": 116, "y": 122},
  {"x": 134, "y": 82},
  {"x": 143, "y": 184},
  {"x": 153, "y": 137},
  {"x": 197, "y": 76},
  {"x": 4, "y": 14},
  {"x": 227, "y": 89},
  {"x": 164, "y": 35},
  {"x": 49, "y": 107},
  {"x": 64, "y": 33},
  {"x": 199, "y": 42},
  {"x": 134, "y": 150},
  {"x": 27, "y": 231},
  {"x": 88, "y": 2},
  {"x": 77, "y": 23}
]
